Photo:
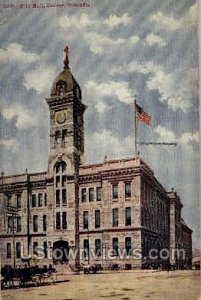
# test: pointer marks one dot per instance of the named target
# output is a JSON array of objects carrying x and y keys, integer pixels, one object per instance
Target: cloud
[
  {"x": 165, "y": 134},
  {"x": 120, "y": 89},
  {"x": 114, "y": 20},
  {"x": 24, "y": 119},
  {"x": 107, "y": 143},
  {"x": 101, "y": 107},
  {"x": 99, "y": 43},
  {"x": 176, "y": 88},
  {"x": 15, "y": 53},
  {"x": 9, "y": 144},
  {"x": 169, "y": 23},
  {"x": 172, "y": 89},
  {"x": 78, "y": 22},
  {"x": 153, "y": 39},
  {"x": 39, "y": 79},
  {"x": 186, "y": 139},
  {"x": 189, "y": 138},
  {"x": 83, "y": 21}
]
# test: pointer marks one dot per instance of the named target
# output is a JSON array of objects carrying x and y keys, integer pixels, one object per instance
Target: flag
[{"x": 142, "y": 115}]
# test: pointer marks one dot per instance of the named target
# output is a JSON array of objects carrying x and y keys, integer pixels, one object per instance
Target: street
[{"x": 184, "y": 285}]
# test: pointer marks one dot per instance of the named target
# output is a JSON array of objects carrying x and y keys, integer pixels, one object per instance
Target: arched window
[
  {"x": 60, "y": 167},
  {"x": 61, "y": 87},
  {"x": 60, "y": 184}
]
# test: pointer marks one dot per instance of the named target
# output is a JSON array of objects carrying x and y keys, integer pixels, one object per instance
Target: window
[
  {"x": 61, "y": 87},
  {"x": 40, "y": 200},
  {"x": 44, "y": 222},
  {"x": 60, "y": 167},
  {"x": 83, "y": 195},
  {"x": 98, "y": 193},
  {"x": 115, "y": 217},
  {"x": 64, "y": 199},
  {"x": 45, "y": 199},
  {"x": 127, "y": 189},
  {"x": 86, "y": 248},
  {"x": 18, "y": 200},
  {"x": 58, "y": 221},
  {"x": 19, "y": 226},
  {"x": 18, "y": 250},
  {"x": 57, "y": 181},
  {"x": 97, "y": 218},
  {"x": 63, "y": 181},
  {"x": 57, "y": 197},
  {"x": 60, "y": 182},
  {"x": 35, "y": 223},
  {"x": 98, "y": 247},
  {"x": 127, "y": 216},
  {"x": 8, "y": 250},
  {"x": 115, "y": 191},
  {"x": 33, "y": 201},
  {"x": 35, "y": 248},
  {"x": 128, "y": 245},
  {"x": 91, "y": 194},
  {"x": 64, "y": 220},
  {"x": 115, "y": 246},
  {"x": 10, "y": 224},
  {"x": 9, "y": 200},
  {"x": 85, "y": 220},
  {"x": 45, "y": 249}
]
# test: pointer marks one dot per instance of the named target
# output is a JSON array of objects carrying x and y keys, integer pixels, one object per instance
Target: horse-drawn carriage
[
  {"x": 91, "y": 269},
  {"x": 26, "y": 276}
]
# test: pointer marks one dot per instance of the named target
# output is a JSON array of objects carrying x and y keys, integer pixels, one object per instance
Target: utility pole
[{"x": 88, "y": 247}]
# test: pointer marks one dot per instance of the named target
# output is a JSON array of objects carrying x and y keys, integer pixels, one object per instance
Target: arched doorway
[{"x": 60, "y": 251}]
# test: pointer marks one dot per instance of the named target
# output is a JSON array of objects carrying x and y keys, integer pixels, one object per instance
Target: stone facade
[
  {"x": 180, "y": 234},
  {"x": 116, "y": 204}
]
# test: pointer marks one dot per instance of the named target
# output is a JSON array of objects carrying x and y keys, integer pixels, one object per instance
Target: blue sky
[{"x": 118, "y": 49}]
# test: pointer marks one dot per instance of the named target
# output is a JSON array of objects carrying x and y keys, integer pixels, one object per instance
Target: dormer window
[{"x": 61, "y": 87}]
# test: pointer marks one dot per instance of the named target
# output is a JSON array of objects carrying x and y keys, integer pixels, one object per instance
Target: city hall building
[{"x": 116, "y": 205}]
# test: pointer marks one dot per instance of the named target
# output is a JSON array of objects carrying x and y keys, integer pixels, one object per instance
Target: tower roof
[{"x": 65, "y": 81}]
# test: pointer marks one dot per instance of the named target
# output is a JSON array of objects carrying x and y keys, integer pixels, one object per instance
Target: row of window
[
  {"x": 14, "y": 225},
  {"x": 96, "y": 194},
  {"x": 115, "y": 246},
  {"x": 17, "y": 250},
  {"x": 39, "y": 200},
  {"x": 35, "y": 223},
  {"x": 93, "y": 194},
  {"x": 127, "y": 190},
  {"x": 61, "y": 220},
  {"x": 16, "y": 202},
  {"x": 115, "y": 218},
  {"x": 18, "y": 253},
  {"x": 98, "y": 247}
]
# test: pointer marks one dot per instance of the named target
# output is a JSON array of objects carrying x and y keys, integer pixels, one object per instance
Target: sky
[{"x": 118, "y": 49}]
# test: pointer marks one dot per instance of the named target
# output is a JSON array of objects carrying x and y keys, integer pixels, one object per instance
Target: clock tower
[
  {"x": 66, "y": 117},
  {"x": 65, "y": 156}
]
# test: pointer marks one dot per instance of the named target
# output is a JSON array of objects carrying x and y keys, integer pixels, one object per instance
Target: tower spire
[{"x": 66, "y": 60}]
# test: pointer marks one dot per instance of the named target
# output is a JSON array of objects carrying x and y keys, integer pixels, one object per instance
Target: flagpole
[{"x": 135, "y": 127}]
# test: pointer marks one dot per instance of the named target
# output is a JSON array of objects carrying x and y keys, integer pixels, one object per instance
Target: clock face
[{"x": 61, "y": 117}]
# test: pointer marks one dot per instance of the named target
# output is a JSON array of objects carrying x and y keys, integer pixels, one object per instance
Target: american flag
[{"x": 142, "y": 115}]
